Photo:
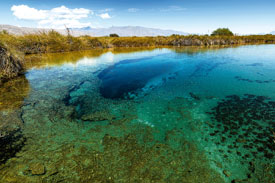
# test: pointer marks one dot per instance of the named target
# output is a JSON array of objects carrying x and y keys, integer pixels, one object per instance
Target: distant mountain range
[
  {"x": 126, "y": 31},
  {"x": 273, "y": 33},
  {"x": 97, "y": 32}
]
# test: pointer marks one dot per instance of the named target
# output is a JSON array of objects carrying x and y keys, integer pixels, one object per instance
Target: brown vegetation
[
  {"x": 53, "y": 41},
  {"x": 10, "y": 65}
]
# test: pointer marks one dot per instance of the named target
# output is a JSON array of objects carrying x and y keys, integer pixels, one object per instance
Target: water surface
[{"x": 149, "y": 115}]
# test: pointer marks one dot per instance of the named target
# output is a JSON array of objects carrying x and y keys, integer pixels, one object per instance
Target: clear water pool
[{"x": 150, "y": 115}]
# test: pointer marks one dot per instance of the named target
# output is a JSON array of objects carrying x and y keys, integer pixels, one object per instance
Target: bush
[
  {"x": 114, "y": 35},
  {"x": 222, "y": 32}
]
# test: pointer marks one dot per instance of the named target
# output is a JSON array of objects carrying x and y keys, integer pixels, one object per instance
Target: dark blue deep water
[{"x": 130, "y": 76}]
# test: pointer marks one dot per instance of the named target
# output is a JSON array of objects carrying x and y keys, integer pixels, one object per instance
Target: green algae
[{"x": 13, "y": 93}]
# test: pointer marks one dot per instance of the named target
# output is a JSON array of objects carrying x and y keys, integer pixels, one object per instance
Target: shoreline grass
[{"x": 54, "y": 42}]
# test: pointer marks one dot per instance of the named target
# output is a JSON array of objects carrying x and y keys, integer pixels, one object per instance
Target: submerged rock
[
  {"x": 37, "y": 169},
  {"x": 10, "y": 65},
  {"x": 194, "y": 96},
  {"x": 10, "y": 143}
]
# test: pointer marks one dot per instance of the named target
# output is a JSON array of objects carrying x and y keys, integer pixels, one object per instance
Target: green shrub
[
  {"x": 222, "y": 32},
  {"x": 114, "y": 35}
]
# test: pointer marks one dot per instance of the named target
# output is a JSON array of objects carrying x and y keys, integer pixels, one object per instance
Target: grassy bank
[
  {"x": 13, "y": 48},
  {"x": 55, "y": 42}
]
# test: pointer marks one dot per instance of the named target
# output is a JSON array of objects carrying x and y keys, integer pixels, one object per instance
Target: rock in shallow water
[
  {"x": 37, "y": 169},
  {"x": 11, "y": 143}
]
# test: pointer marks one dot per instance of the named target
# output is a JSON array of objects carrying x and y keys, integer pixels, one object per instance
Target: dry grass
[
  {"x": 55, "y": 42},
  {"x": 10, "y": 64}
]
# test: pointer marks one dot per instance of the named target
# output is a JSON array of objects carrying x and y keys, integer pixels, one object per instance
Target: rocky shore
[{"x": 10, "y": 65}]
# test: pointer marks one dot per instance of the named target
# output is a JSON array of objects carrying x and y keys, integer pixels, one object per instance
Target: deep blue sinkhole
[{"x": 130, "y": 76}]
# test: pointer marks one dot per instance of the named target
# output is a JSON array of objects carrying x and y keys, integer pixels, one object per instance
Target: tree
[
  {"x": 4, "y": 32},
  {"x": 222, "y": 32},
  {"x": 114, "y": 35}
]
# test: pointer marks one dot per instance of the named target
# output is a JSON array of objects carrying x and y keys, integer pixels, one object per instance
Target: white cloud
[
  {"x": 66, "y": 13},
  {"x": 27, "y": 13},
  {"x": 58, "y": 17},
  {"x": 104, "y": 15},
  {"x": 133, "y": 10}
]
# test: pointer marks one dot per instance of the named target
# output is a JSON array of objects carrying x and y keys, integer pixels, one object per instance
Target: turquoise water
[{"x": 161, "y": 115}]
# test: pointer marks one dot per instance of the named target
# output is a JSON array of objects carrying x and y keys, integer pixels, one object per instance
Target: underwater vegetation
[
  {"x": 13, "y": 93},
  {"x": 254, "y": 117},
  {"x": 248, "y": 122},
  {"x": 11, "y": 143},
  {"x": 239, "y": 78}
]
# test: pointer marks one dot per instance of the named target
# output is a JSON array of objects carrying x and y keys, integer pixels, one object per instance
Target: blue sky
[{"x": 193, "y": 16}]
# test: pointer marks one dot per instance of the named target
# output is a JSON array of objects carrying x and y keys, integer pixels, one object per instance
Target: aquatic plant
[
  {"x": 249, "y": 118},
  {"x": 246, "y": 121},
  {"x": 10, "y": 143},
  {"x": 13, "y": 93},
  {"x": 273, "y": 136}
]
